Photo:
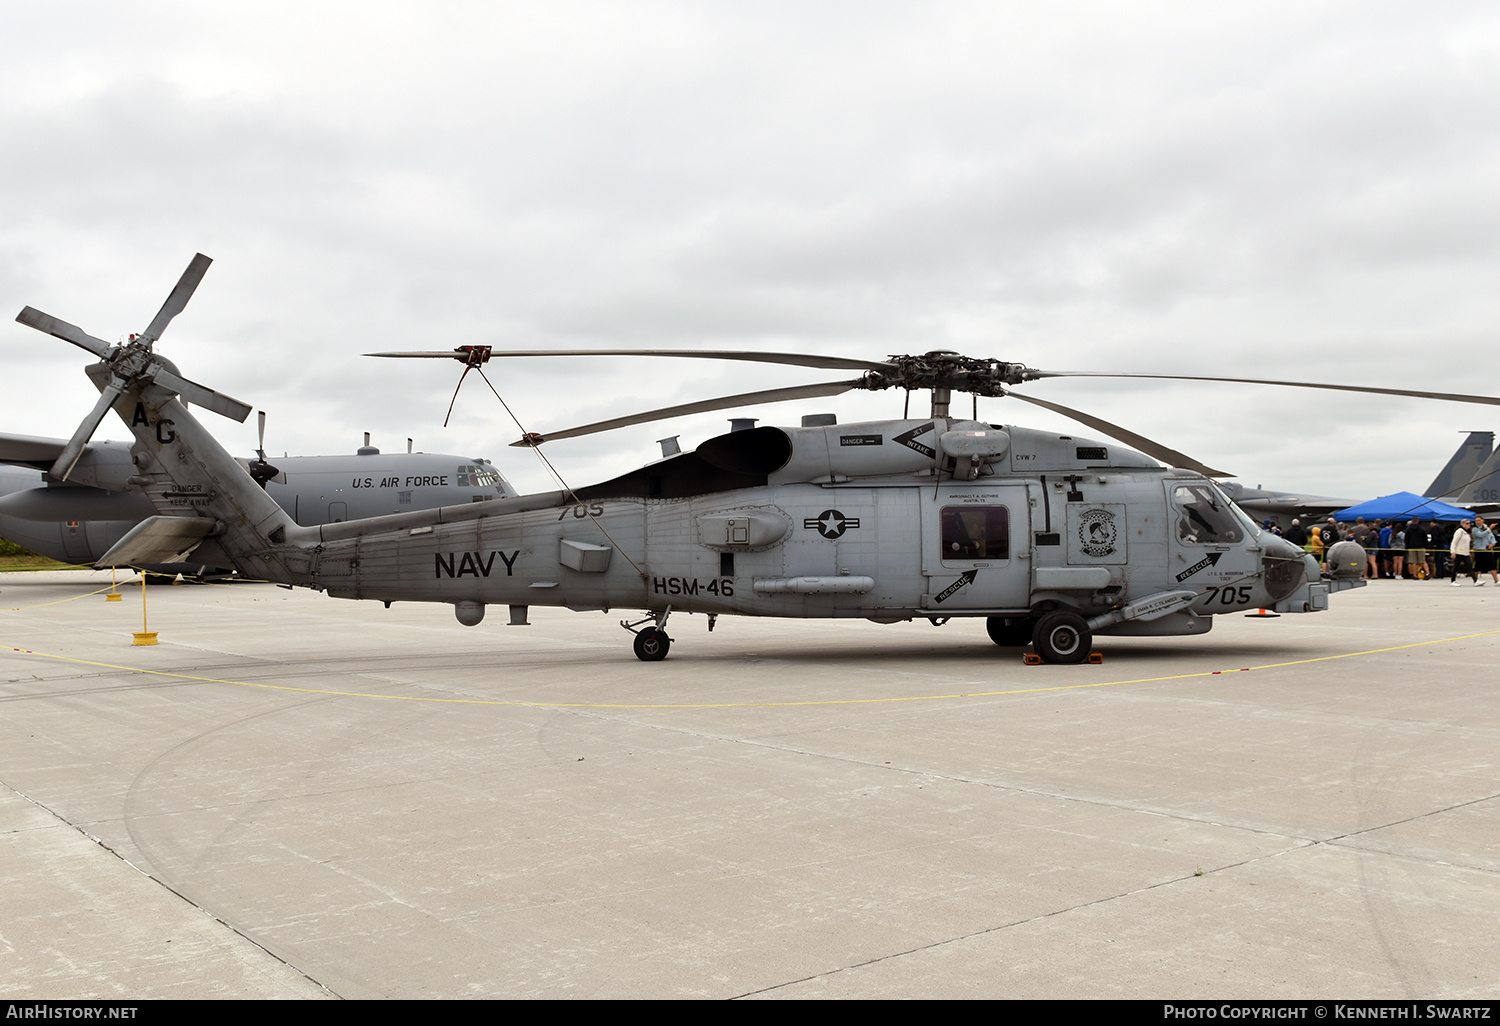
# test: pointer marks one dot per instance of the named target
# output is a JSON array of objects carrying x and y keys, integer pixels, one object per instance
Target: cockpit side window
[{"x": 1204, "y": 516}]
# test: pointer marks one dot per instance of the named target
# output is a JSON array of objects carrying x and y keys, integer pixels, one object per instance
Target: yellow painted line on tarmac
[
  {"x": 57, "y": 602},
  {"x": 43, "y": 568},
  {"x": 743, "y": 705}
]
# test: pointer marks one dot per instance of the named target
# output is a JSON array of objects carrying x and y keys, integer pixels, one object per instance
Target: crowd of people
[{"x": 1410, "y": 550}]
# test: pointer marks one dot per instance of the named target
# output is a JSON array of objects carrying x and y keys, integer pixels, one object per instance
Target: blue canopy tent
[{"x": 1403, "y": 506}]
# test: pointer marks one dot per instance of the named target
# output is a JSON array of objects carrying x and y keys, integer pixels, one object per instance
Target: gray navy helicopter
[{"x": 1050, "y": 538}]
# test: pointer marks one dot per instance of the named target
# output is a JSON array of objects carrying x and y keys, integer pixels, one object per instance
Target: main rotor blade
[
  {"x": 1156, "y": 450},
  {"x": 68, "y": 458},
  {"x": 186, "y": 285},
  {"x": 1455, "y": 397},
  {"x": 770, "y": 395},
  {"x": 449, "y": 354},
  {"x": 749, "y": 356},
  {"x": 34, "y": 318},
  {"x": 223, "y": 405}
]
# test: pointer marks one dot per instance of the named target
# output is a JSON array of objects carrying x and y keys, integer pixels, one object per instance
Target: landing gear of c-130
[{"x": 651, "y": 643}]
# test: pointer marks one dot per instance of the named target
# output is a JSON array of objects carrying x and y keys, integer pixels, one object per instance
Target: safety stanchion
[{"x": 144, "y": 636}]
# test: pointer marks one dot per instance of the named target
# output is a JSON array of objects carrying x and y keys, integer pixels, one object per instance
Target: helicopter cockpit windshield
[{"x": 1205, "y": 516}]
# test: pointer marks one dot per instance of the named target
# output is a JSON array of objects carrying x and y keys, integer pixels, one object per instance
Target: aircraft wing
[
  {"x": 1296, "y": 504},
  {"x": 30, "y": 451}
]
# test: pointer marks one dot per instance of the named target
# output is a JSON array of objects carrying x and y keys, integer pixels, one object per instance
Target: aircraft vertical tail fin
[
  {"x": 1487, "y": 486},
  {"x": 187, "y": 473},
  {"x": 1463, "y": 465}
]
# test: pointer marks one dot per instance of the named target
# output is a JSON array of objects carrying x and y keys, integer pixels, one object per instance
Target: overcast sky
[{"x": 1293, "y": 190}]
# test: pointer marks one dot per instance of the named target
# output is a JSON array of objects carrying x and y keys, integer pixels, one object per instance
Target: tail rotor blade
[
  {"x": 34, "y": 318},
  {"x": 223, "y": 405},
  {"x": 771, "y": 395},
  {"x": 68, "y": 458},
  {"x": 186, "y": 285},
  {"x": 1156, "y": 450}
]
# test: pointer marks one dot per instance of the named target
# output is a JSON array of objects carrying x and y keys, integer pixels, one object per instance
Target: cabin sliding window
[
  {"x": 975, "y": 532},
  {"x": 1204, "y": 516}
]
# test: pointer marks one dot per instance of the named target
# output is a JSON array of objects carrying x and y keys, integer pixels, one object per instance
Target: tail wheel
[
  {"x": 1062, "y": 637},
  {"x": 1009, "y": 631},
  {"x": 651, "y": 645}
]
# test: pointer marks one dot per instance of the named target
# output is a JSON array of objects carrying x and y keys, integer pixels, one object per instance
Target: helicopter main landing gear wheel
[
  {"x": 652, "y": 645},
  {"x": 1010, "y": 631},
  {"x": 1062, "y": 637}
]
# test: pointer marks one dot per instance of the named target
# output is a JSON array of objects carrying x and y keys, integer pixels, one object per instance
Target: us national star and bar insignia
[{"x": 831, "y": 523}]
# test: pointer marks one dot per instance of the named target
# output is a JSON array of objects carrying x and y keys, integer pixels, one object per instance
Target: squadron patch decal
[{"x": 1097, "y": 533}]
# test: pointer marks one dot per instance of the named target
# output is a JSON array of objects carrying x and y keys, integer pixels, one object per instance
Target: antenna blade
[
  {"x": 770, "y": 395},
  {"x": 68, "y": 458},
  {"x": 223, "y": 405},
  {"x": 34, "y": 318},
  {"x": 186, "y": 285},
  {"x": 1455, "y": 397},
  {"x": 788, "y": 359},
  {"x": 1156, "y": 450}
]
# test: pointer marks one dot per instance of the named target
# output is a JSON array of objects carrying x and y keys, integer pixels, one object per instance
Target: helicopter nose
[{"x": 1284, "y": 566}]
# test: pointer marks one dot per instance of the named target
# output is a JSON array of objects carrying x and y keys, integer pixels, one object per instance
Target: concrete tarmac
[{"x": 297, "y": 796}]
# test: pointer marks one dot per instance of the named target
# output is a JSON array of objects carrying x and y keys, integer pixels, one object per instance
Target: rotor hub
[{"x": 941, "y": 369}]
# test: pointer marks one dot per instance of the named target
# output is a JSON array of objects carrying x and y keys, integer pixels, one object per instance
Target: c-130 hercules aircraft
[{"x": 1051, "y": 538}]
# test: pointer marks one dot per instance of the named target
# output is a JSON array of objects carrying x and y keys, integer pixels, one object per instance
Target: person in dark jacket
[
  {"x": 1297, "y": 534},
  {"x": 1330, "y": 534},
  {"x": 1416, "y": 549},
  {"x": 1439, "y": 535}
]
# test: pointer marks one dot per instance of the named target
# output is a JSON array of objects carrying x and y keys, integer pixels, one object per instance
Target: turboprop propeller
[
  {"x": 260, "y": 470},
  {"x": 132, "y": 362}
]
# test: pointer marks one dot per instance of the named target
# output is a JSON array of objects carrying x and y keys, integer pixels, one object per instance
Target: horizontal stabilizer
[{"x": 158, "y": 540}]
